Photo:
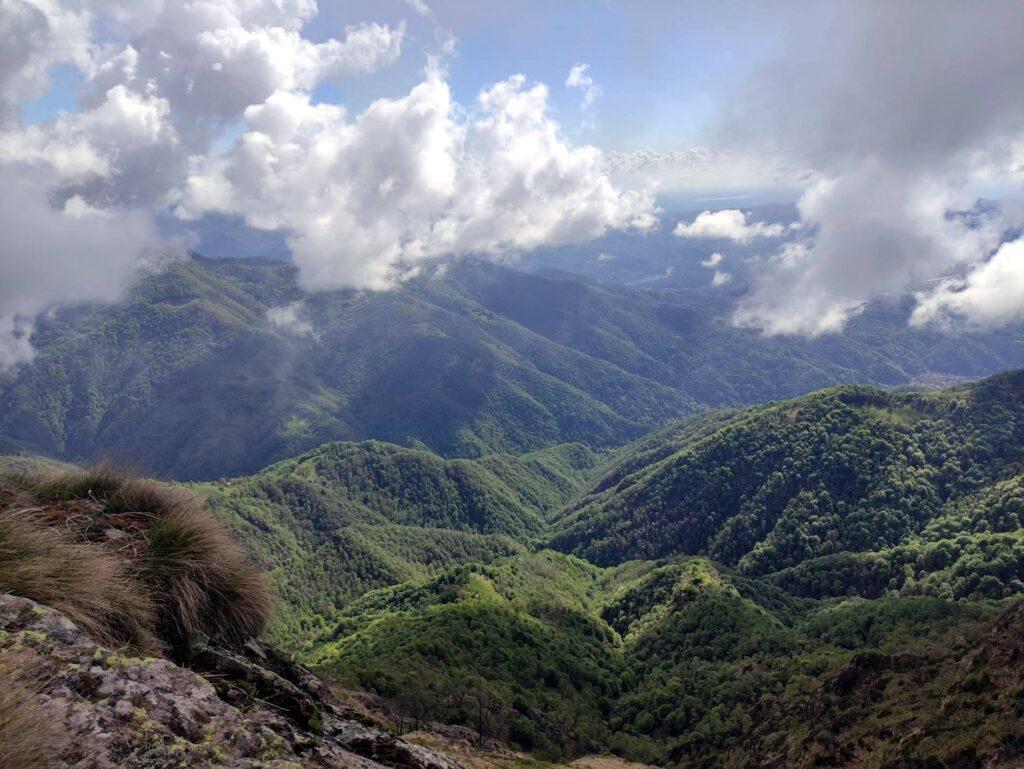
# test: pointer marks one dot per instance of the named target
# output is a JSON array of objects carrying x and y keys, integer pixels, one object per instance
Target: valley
[
  {"x": 538, "y": 509},
  {"x": 684, "y": 600}
]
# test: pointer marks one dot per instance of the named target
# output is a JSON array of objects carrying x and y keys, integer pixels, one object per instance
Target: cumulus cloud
[
  {"x": 728, "y": 223},
  {"x": 34, "y": 36},
  {"x": 209, "y": 61},
  {"x": 720, "y": 278},
  {"x": 365, "y": 198},
  {"x": 713, "y": 261},
  {"x": 872, "y": 236},
  {"x": 905, "y": 110},
  {"x": 992, "y": 293}
]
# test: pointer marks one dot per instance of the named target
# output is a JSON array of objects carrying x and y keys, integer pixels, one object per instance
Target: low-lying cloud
[
  {"x": 290, "y": 318},
  {"x": 730, "y": 224},
  {"x": 52, "y": 256},
  {"x": 991, "y": 294},
  {"x": 905, "y": 111}
]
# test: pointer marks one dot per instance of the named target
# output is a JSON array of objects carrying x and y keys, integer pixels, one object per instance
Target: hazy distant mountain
[{"x": 210, "y": 369}]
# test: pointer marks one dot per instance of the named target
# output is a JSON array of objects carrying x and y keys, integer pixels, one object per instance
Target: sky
[
  {"x": 661, "y": 66},
  {"x": 370, "y": 137},
  {"x": 639, "y": 53}
]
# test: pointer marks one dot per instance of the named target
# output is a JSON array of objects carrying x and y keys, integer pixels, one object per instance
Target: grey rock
[{"x": 251, "y": 708}]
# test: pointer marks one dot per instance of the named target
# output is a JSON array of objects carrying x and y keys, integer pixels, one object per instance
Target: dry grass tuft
[
  {"x": 88, "y": 584},
  {"x": 80, "y": 539},
  {"x": 204, "y": 579},
  {"x": 30, "y": 737}
]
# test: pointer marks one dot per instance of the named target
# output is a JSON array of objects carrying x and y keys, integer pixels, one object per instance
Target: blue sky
[
  {"x": 663, "y": 67},
  {"x": 60, "y": 96}
]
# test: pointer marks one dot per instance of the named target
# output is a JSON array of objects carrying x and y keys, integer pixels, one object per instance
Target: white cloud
[
  {"x": 713, "y": 261},
  {"x": 71, "y": 230},
  {"x": 162, "y": 80},
  {"x": 870, "y": 236},
  {"x": 720, "y": 278},
  {"x": 909, "y": 112},
  {"x": 605, "y": 257},
  {"x": 991, "y": 294},
  {"x": 366, "y": 198},
  {"x": 15, "y": 339},
  {"x": 727, "y": 223},
  {"x": 212, "y": 60},
  {"x": 290, "y": 319},
  {"x": 52, "y": 256},
  {"x": 578, "y": 78}
]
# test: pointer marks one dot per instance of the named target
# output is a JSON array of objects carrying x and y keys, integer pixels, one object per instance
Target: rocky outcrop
[{"x": 238, "y": 709}]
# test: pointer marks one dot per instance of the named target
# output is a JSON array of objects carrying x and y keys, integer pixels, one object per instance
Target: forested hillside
[
  {"x": 801, "y": 484},
  {"x": 349, "y": 517},
  {"x": 210, "y": 369},
  {"x": 830, "y": 580},
  {"x": 790, "y": 585},
  {"x": 683, "y": 663}
]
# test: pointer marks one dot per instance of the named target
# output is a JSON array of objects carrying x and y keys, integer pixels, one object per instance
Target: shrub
[{"x": 122, "y": 555}]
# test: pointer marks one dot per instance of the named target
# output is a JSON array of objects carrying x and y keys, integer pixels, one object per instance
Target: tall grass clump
[
  {"x": 203, "y": 579},
  {"x": 126, "y": 557},
  {"x": 30, "y": 736},
  {"x": 91, "y": 586}
]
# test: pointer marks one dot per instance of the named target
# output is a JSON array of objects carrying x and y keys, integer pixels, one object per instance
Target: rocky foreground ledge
[{"x": 236, "y": 709}]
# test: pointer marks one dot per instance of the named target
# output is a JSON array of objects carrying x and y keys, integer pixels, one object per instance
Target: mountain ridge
[{"x": 190, "y": 377}]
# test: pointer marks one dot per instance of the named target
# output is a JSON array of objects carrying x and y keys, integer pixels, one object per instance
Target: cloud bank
[
  {"x": 168, "y": 84},
  {"x": 991, "y": 294},
  {"x": 367, "y": 198},
  {"x": 906, "y": 111}
]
